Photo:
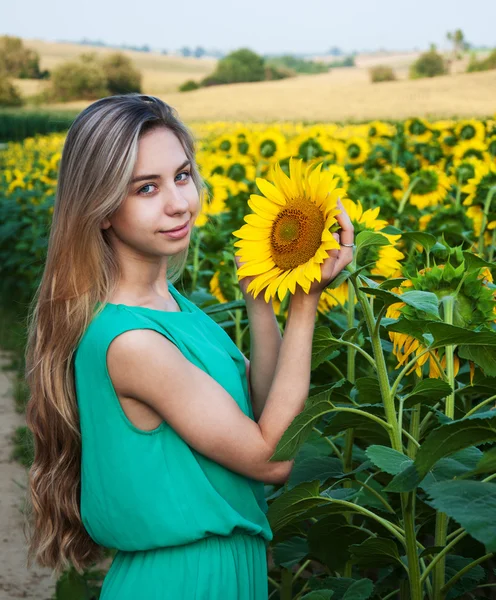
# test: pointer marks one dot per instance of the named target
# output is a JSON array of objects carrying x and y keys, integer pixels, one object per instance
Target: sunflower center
[
  {"x": 427, "y": 183},
  {"x": 417, "y": 127},
  {"x": 236, "y": 172},
  {"x": 353, "y": 151},
  {"x": 492, "y": 148},
  {"x": 268, "y": 148},
  {"x": 225, "y": 145},
  {"x": 467, "y": 132},
  {"x": 296, "y": 233},
  {"x": 243, "y": 147}
]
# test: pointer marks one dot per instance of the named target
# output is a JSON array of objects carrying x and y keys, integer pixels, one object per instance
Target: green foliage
[
  {"x": 9, "y": 93},
  {"x": 485, "y": 64},
  {"x": 17, "y": 125},
  {"x": 80, "y": 79},
  {"x": 382, "y": 73},
  {"x": 240, "y": 65},
  {"x": 188, "y": 86},
  {"x": 122, "y": 77},
  {"x": 297, "y": 65},
  {"x": 429, "y": 64},
  {"x": 18, "y": 61},
  {"x": 90, "y": 77}
]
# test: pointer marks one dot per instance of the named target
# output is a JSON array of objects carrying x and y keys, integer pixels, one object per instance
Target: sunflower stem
[
  {"x": 407, "y": 498},
  {"x": 485, "y": 215},
  {"x": 449, "y": 409},
  {"x": 349, "y": 436},
  {"x": 405, "y": 198}
]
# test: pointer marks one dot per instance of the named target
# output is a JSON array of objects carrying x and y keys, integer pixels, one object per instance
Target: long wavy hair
[{"x": 81, "y": 269}]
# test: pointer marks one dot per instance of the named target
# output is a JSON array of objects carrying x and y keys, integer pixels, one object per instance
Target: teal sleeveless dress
[{"x": 184, "y": 526}]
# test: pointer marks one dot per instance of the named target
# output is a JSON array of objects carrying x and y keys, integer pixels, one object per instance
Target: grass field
[{"x": 342, "y": 94}]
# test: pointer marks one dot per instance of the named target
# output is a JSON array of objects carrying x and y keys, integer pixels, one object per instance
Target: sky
[{"x": 265, "y": 26}]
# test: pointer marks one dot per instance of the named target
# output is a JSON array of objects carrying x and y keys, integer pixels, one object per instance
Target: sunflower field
[{"x": 392, "y": 492}]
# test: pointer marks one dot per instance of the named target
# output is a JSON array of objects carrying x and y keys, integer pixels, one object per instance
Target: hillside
[{"x": 342, "y": 94}]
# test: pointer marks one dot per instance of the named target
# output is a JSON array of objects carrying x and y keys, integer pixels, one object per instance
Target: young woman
[{"x": 146, "y": 437}]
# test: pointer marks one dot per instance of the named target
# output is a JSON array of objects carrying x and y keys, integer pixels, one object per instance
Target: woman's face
[{"x": 161, "y": 196}]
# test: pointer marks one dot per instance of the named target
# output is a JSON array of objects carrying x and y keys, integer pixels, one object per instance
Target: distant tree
[
  {"x": 199, "y": 52},
  {"x": 82, "y": 78},
  {"x": 240, "y": 65},
  {"x": 486, "y": 64},
  {"x": 18, "y": 61},
  {"x": 9, "y": 94},
  {"x": 188, "y": 86},
  {"x": 457, "y": 38},
  {"x": 429, "y": 64},
  {"x": 381, "y": 73},
  {"x": 185, "y": 51},
  {"x": 122, "y": 77},
  {"x": 335, "y": 51}
]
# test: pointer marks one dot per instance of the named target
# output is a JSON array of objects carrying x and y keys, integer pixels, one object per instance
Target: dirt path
[{"x": 16, "y": 581}]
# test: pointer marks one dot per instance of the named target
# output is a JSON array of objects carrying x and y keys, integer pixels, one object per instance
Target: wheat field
[{"x": 340, "y": 95}]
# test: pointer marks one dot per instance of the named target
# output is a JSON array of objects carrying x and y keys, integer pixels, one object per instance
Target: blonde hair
[{"x": 81, "y": 269}]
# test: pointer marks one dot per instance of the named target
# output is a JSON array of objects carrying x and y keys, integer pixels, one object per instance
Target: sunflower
[
  {"x": 473, "y": 148},
  {"x": 474, "y": 307},
  {"x": 270, "y": 144},
  {"x": 479, "y": 186},
  {"x": 379, "y": 130},
  {"x": 431, "y": 188},
  {"x": 286, "y": 240},
  {"x": 385, "y": 258},
  {"x": 396, "y": 180},
  {"x": 418, "y": 130},
  {"x": 215, "y": 203},
  {"x": 357, "y": 150},
  {"x": 470, "y": 130}
]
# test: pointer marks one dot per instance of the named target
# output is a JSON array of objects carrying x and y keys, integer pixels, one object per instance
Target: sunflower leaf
[
  {"x": 426, "y": 240},
  {"x": 369, "y": 238},
  {"x": 424, "y": 301}
]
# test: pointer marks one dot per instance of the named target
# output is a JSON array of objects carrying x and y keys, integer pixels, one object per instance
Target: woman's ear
[{"x": 105, "y": 224}]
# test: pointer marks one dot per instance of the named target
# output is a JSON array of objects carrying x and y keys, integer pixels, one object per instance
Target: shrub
[
  {"x": 9, "y": 94},
  {"x": 188, "y": 86},
  {"x": 429, "y": 64},
  {"x": 82, "y": 78},
  {"x": 382, "y": 73},
  {"x": 240, "y": 65},
  {"x": 19, "y": 61},
  {"x": 122, "y": 76},
  {"x": 486, "y": 64}
]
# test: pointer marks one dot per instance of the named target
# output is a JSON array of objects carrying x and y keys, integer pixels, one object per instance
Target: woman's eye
[
  {"x": 187, "y": 173},
  {"x": 145, "y": 186}
]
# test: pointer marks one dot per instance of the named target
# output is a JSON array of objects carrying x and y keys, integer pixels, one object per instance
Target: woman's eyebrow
[{"x": 143, "y": 177}]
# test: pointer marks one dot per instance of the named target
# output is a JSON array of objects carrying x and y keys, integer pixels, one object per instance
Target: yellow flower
[
  {"x": 387, "y": 259},
  {"x": 470, "y": 129},
  {"x": 418, "y": 131},
  {"x": 286, "y": 239},
  {"x": 431, "y": 188},
  {"x": 357, "y": 150}
]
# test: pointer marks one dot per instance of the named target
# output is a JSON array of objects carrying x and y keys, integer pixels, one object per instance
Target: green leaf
[
  {"x": 294, "y": 503},
  {"x": 315, "y": 467},
  {"x": 218, "y": 308},
  {"x": 387, "y": 459},
  {"x": 424, "y": 301},
  {"x": 72, "y": 586},
  {"x": 486, "y": 464},
  {"x": 387, "y": 284},
  {"x": 441, "y": 442},
  {"x": 483, "y": 356},
  {"x": 360, "y": 590},
  {"x": 334, "y": 527},
  {"x": 322, "y": 345},
  {"x": 299, "y": 430},
  {"x": 426, "y": 240},
  {"x": 413, "y": 327},
  {"x": 290, "y": 552},
  {"x": 375, "y": 552},
  {"x": 474, "y": 262},
  {"x": 369, "y": 391},
  {"x": 428, "y": 391},
  {"x": 369, "y": 238},
  {"x": 468, "y": 581},
  {"x": 318, "y": 595},
  {"x": 445, "y": 335},
  {"x": 472, "y": 504},
  {"x": 363, "y": 425}
]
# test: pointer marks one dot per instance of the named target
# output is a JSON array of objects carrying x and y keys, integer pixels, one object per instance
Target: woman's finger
[{"x": 347, "y": 232}]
